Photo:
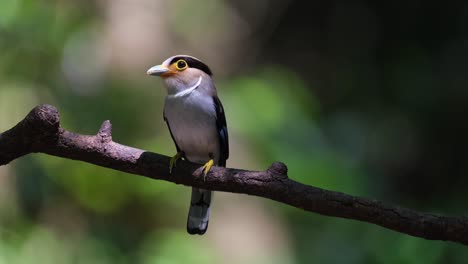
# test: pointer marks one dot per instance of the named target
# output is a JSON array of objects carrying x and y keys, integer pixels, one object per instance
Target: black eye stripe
[{"x": 193, "y": 63}]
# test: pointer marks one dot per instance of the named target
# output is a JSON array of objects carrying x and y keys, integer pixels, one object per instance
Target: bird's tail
[{"x": 199, "y": 213}]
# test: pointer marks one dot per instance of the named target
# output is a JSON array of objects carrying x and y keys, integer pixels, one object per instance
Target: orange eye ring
[{"x": 181, "y": 65}]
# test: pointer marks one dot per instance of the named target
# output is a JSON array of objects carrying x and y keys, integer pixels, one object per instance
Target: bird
[{"x": 196, "y": 121}]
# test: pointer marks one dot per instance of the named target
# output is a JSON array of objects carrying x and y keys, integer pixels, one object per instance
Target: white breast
[{"x": 192, "y": 120}]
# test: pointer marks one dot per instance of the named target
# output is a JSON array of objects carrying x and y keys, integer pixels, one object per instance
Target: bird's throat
[{"x": 189, "y": 90}]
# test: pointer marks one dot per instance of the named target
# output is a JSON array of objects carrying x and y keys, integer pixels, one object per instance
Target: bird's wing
[
  {"x": 222, "y": 132},
  {"x": 172, "y": 136}
]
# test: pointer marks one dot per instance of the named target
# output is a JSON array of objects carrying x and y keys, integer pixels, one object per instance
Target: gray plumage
[{"x": 196, "y": 121}]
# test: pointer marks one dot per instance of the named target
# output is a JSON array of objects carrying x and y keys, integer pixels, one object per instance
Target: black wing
[
  {"x": 172, "y": 136},
  {"x": 222, "y": 132}
]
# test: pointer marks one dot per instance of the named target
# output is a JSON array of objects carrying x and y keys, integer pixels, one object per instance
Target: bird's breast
[{"x": 192, "y": 120}]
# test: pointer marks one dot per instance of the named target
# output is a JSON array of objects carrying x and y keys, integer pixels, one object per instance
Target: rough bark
[{"x": 40, "y": 131}]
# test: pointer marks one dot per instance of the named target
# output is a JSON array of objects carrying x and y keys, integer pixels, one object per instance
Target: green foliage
[{"x": 76, "y": 55}]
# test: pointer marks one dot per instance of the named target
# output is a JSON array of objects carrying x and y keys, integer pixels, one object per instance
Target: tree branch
[{"x": 40, "y": 131}]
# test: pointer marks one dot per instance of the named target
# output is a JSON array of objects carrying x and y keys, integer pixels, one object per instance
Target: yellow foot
[
  {"x": 207, "y": 168},
  {"x": 173, "y": 161}
]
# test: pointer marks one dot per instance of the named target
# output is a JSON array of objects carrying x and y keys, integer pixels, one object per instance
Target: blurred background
[{"x": 359, "y": 97}]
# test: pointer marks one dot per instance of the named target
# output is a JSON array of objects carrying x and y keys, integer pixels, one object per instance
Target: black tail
[{"x": 199, "y": 213}]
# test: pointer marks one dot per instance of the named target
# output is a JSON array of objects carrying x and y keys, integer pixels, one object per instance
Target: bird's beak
[{"x": 157, "y": 70}]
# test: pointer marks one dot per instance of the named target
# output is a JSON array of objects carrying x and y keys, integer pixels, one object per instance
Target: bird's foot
[
  {"x": 207, "y": 168},
  {"x": 173, "y": 161}
]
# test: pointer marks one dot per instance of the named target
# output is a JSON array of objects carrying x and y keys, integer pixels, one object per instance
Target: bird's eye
[{"x": 181, "y": 65}]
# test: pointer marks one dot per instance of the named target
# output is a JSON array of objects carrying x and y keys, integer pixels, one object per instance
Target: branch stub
[{"x": 278, "y": 169}]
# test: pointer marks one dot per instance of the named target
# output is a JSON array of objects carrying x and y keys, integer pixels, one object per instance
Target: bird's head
[{"x": 181, "y": 72}]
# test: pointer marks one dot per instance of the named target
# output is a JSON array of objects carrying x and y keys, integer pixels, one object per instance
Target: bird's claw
[
  {"x": 207, "y": 168},
  {"x": 173, "y": 161}
]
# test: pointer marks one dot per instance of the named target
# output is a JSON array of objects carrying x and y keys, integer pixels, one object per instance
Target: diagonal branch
[{"x": 40, "y": 131}]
